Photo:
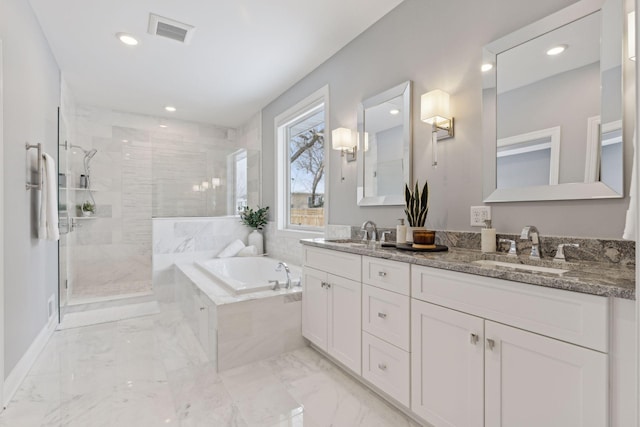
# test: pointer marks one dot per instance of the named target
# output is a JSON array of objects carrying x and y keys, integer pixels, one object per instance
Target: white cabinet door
[
  {"x": 534, "y": 381},
  {"x": 447, "y": 366},
  {"x": 345, "y": 311},
  {"x": 314, "y": 307}
]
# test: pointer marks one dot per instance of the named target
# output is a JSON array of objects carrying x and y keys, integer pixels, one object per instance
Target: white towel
[
  {"x": 232, "y": 249},
  {"x": 48, "y": 223},
  {"x": 632, "y": 213},
  {"x": 248, "y": 251}
]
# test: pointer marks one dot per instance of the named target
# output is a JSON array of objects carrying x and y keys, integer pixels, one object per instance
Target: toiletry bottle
[
  {"x": 488, "y": 238},
  {"x": 401, "y": 232}
]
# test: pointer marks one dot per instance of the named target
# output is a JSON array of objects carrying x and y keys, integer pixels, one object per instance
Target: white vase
[
  {"x": 256, "y": 239},
  {"x": 410, "y": 233}
]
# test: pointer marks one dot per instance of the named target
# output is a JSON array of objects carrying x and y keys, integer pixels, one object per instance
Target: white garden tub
[{"x": 242, "y": 275}]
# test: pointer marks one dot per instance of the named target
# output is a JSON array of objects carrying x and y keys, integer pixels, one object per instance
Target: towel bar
[{"x": 37, "y": 186}]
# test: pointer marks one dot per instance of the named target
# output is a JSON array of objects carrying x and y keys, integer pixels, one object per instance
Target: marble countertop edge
[{"x": 586, "y": 278}]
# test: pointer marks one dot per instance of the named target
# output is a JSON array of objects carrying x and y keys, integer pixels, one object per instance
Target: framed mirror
[
  {"x": 552, "y": 107},
  {"x": 384, "y": 147}
]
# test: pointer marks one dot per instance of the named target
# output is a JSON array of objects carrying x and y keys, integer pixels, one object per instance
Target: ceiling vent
[{"x": 174, "y": 30}]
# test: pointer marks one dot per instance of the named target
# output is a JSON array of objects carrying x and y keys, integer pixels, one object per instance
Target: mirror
[
  {"x": 384, "y": 147},
  {"x": 553, "y": 119}
]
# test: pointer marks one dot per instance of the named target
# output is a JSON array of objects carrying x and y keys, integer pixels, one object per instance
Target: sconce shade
[
  {"x": 434, "y": 107},
  {"x": 631, "y": 35},
  {"x": 341, "y": 139}
]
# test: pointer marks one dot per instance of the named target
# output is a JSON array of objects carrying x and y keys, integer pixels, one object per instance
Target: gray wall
[
  {"x": 438, "y": 44},
  {"x": 543, "y": 104},
  {"x": 32, "y": 92}
]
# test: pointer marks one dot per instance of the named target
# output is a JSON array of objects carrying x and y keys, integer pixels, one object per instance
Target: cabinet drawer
[
  {"x": 569, "y": 316},
  {"x": 386, "y": 315},
  {"x": 334, "y": 262},
  {"x": 390, "y": 275},
  {"x": 386, "y": 367}
]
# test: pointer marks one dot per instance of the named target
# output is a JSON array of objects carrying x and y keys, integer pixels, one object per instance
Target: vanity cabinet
[
  {"x": 385, "y": 327},
  {"x": 331, "y": 305},
  {"x": 447, "y": 366},
  {"x": 468, "y": 366}
]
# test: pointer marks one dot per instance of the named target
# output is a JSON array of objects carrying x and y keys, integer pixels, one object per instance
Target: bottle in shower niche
[{"x": 83, "y": 181}]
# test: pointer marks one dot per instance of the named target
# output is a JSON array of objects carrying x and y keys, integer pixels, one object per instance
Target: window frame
[{"x": 282, "y": 175}]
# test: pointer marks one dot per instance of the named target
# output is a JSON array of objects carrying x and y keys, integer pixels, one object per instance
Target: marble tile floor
[{"x": 151, "y": 371}]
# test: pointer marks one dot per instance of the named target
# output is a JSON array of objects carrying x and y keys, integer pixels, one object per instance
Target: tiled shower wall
[{"x": 140, "y": 171}]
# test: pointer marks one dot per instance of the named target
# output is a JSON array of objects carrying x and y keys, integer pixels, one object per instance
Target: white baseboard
[{"x": 14, "y": 379}]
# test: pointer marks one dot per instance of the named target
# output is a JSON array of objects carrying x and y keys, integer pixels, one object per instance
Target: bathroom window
[{"x": 301, "y": 168}]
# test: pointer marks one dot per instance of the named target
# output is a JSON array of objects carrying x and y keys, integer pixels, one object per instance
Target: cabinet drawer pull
[
  {"x": 490, "y": 343},
  {"x": 474, "y": 338},
  {"x": 382, "y": 315},
  {"x": 382, "y": 366},
  {"x": 382, "y": 273}
]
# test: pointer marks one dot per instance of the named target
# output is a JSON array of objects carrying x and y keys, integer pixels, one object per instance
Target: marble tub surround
[
  {"x": 238, "y": 329},
  {"x": 607, "y": 251},
  {"x": 187, "y": 240},
  {"x": 604, "y": 279}
]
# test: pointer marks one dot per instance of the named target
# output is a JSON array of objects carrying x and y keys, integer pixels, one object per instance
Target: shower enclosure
[{"x": 118, "y": 171}]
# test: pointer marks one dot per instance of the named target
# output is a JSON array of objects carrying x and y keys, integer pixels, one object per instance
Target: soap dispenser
[
  {"x": 488, "y": 238},
  {"x": 401, "y": 232}
]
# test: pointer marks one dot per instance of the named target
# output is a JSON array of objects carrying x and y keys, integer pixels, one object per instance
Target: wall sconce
[
  {"x": 631, "y": 35},
  {"x": 434, "y": 110},
  {"x": 341, "y": 139}
]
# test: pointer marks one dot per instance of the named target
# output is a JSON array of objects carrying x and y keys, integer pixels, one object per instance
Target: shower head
[{"x": 89, "y": 154}]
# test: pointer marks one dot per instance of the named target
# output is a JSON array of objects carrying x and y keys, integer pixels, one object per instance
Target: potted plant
[
  {"x": 416, "y": 207},
  {"x": 87, "y": 208},
  {"x": 255, "y": 219}
]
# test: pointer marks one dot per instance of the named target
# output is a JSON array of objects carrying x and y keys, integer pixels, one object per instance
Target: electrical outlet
[{"x": 479, "y": 214}]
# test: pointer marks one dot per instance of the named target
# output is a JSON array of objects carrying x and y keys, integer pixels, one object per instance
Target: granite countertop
[{"x": 589, "y": 278}]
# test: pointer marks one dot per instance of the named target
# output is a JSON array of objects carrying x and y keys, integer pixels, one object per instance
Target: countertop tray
[{"x": 409, "y": 247}]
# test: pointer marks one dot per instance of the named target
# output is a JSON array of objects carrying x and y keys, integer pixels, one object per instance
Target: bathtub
[{"x": 243, "y": 275}]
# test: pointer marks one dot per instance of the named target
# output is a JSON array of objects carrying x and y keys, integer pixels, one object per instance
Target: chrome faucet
[
  {"x": 284, "y": 265},
  {"x": 374, "y": 232},
  {"x": 530, "y": 232},
  {"x": 560, "y": 252}
]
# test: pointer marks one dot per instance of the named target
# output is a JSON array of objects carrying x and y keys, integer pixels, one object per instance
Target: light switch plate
[{"x": 479, "y": 214}]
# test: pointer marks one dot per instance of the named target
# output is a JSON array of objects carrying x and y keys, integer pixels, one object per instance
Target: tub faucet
[
  {"x": 284, "y": 265},
  {"x": 374, "y": 232},
  {"x": 530, "y": 232}
]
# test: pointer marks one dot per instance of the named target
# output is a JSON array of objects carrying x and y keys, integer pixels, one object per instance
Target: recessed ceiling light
[
  {"x": 170, "y": 108},
  {"x": 127, "y": 39},
  {"x": 486, "y": 67},
  {"x": 557, "y": 50},
  {"x": 394, "y": 112},
  {"x": 163, "y": 126}
]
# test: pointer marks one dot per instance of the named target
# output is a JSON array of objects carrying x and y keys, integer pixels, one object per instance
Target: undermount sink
[
  {"x": 352, "y": 243},
  {"x": 521, "y": 267}
]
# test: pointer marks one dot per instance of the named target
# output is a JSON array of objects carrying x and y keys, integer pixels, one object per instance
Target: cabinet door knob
[
  {"x": 474, "y": 338},
  {"x": 382, "y": 273},
  {"x": 382, "y": 366},
  {"x": 382, "y": 315},
  {"x": 328, "y": 285},
  {"x": 490, "y": 343},
  {"x": 202, "y": 308},
  {"x": 323, "y": 284}
]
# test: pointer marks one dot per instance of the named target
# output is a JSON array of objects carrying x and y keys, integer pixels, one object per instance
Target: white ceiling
[
  {"x": 528, "y": 62},
  {"x": 244, "y": 53}
]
